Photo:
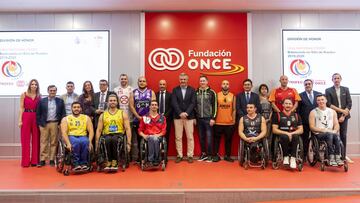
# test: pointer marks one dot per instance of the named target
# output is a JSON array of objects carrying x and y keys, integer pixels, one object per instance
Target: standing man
[
  {"x": 163, "y": 98},
  {"x": 69, "y": 97},
  {"x": 206, "y": 109},
  {"x": 113, "y": 123},
  {"x": 307, "y": 103},
  {"x": 78, "y": 132},
  {"x": 225, "y": 121},
  {"x": 246, "y": 97},
  {"x": 100, "y": 100},
  {"x": 123, "y": 92},
  {"x": 140, "y": 100},
  {"x": 183, "y": 103},
  {"x": 278, "y": 95},
  {"x": 325, "y": 125},
  {"x": 339, "y": 99},
  {"x": 153, "y": 128},
  {"x": 49, "y": 113}
]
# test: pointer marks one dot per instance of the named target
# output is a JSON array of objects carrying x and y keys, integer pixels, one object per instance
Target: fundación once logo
[
  {"x": 11, "y": 69},
  {"x": 300, "y": 68},
  {"x": 208, "y": 62}
]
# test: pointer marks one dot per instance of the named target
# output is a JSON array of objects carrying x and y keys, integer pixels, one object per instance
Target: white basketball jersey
[
  {"x": 324, "y": 118},
  {"x": 124, "y": 96}
]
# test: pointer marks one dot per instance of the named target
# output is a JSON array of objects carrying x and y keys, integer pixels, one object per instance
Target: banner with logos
[{"x": 211, "y": 44}]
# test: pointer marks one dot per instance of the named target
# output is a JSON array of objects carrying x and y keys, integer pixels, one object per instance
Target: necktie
[
  {"x": 247, "y": 97},
  {"x": 311, "y": 98},
  {"x": 162, "y": 109},
  {"x": 102, "y": 97}
]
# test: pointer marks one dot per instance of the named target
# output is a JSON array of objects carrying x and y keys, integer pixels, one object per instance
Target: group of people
[{"x": 140, "y": 113}]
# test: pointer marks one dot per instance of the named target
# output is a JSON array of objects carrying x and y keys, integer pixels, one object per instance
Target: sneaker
[
  {"x": 292, "y": 162},
  {"x": 332, "y": 160},
  {"x": 338, "y": 160},
  {"x": 178, "y": 159},
  {"x": 216, "y": 158},
  {"x": 84, "y": 167},
  {"x": 349, "y": 160},
  {"x": 41, "y": 164},
  {"x": 52, "y": 163},
  {"x": 209, "y": 159},
  {"x": 33, "y": 165},
  {"x": 107, "y": 166},
  {"x": 77, "y": 168},
  {"x": 190, "y": 159},
  {"x": 114, "y": 165},
  {"x": 229, "y": 159},
  {"x": 203, "y": 157},
  {"x": 286, "y": 160}
]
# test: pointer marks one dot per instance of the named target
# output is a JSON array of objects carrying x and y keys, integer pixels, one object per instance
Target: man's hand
[
  {"x": 341, "y": 119},
  {"x": 289, "y": 135},
  {"x": 90, "y": 147},
  {"x": 99, "y": 111},
  {"x": 212, "y": 122},
  {"x": 183, "y": 115},
  {"x": 69, "y": 147}
]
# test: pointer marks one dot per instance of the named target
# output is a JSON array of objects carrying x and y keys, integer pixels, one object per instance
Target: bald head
[
  {"x": 284, "y": 81},
  {"x": 142, "y": 82},
  {"x": 162, "y": 85}
]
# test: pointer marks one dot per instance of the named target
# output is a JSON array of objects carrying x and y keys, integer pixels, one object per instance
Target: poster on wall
[
  {"x": 318, "y": 54},
  {"x": 211, "y": 44}
]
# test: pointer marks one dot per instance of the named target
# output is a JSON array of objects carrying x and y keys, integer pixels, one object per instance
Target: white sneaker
[
  {"x": 286, "y": 160},
  {"x": 292, "y": 162}
]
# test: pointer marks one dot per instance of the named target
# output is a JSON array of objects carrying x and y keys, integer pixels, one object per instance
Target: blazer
[
  {"x": 168, "y": 108},
  {"x": 97, "y": 96},
  {"x": 180, "y": 105},
  {"x": 241, "y": 104},
  {"x": 345, "y": 98},
  {"x": 42, "y": 111},
  {"x": 305, "y": 106}
]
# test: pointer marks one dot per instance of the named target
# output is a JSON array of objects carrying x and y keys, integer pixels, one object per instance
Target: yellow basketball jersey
[
  {"x": 113, "y": 123},
  {"x": 77, "y": 125}
]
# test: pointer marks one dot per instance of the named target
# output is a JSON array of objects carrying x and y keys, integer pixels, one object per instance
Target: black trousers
[
  {"x": 289, "y": 147},
  {"x": 343, "y": 131},
  {"x": 111, "y": 143},
  {"x": 227, "y": 131}
]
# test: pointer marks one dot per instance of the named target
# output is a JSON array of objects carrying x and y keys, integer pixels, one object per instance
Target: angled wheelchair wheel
[
  {"x": 266, "y": 151},
  {"x": 241, "y": 152},
  {"x": 322, "y": 166},
  {"x": 346, "y": 166},
  {"x": 60, "y": 157},
  {"x": 246, "y": 158},
  {"x": 300, "y": 152},
  {"x": 278, "y": 154},
  {"x": 313, "y": 153}
]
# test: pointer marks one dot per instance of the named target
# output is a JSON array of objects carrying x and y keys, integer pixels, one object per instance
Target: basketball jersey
[
  {"x": 225, "y": 109},
  {"x": 124, "y": 95},
  {"x": 287, "y": 123},
  {"x": 77, "y": 125},
  {"x": 142, "y": 100},
  {"x": 113, "y": 123},
  {"x": 324, "y": 118},
  {"x": 252, "y": 127}
]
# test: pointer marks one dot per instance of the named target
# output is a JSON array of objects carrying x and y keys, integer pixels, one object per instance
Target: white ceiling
[{"x": 175, "y": 5}]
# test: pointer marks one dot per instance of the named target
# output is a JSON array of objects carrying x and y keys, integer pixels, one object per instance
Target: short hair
[
  {"x": 117, "y": 98},
  {"x": 103, "y": 80},
  {"x": 184, "y": 74},
  {"x": 251, "y": 103},
  {"x": 336, "y": 74},
  {"x": 70, "y": 83},
  {"x": 204, "y": 76},
  {"x": 123, "y": 74},
  {"x": 247, "y": 80},
  {"x": 51, "y": 86},
  {"x": 154, "y": 100},
  {"x": 308, "y": 80},
  {"x": 320, "y": 95},
  {"x": 263, "y": 85},
  {"x": 76, "y": 102}
]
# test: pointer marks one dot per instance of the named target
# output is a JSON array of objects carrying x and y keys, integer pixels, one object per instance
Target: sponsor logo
[
  {"x": 208, "y": 62},
  {"x": 11, "y": 69},
  {"x": 300, "y": 68}
]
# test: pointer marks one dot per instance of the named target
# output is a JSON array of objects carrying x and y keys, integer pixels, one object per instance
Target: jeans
[
  {"x": 332, "y": 140},
  {"x": 205, "y": 135},
  {"x": 80, "y": 149},
  {"x": 153, "y": 143}
]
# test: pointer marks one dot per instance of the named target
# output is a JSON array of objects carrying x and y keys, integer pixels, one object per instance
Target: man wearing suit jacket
[
  {"x": 183, "y": 103},
  {"x": 246, "y": 97},
  {"x": 339, "y": 99},
  {"x": 306, "y": 105},
  {"x": 49, "y": 113},
  {"x": 100, "y": 100},
  {"x": 163, "y": 98}
]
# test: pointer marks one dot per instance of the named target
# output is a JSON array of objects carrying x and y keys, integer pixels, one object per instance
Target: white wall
[{"x": 266, "y": 51}]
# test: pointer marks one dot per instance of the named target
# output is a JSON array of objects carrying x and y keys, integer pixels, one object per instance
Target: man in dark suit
[
  {"x": 49, "y": 113},
  {"x": 163, "y": 98},
  {"x": 246, "y": 97},
  {"x": 307, "y": 103},
  {"x": 339, "y": 99},
  {"x": 100, "y": 100},
  {"x": 183, "y": 103}
]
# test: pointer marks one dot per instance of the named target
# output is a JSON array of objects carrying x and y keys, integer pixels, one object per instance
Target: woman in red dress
[{"x": 27, "y": 122}]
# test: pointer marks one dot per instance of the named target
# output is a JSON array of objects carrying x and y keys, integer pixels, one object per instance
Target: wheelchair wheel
[
  {"x": 163, "y": 166},
  {"x": 346, "y": 166},
  {"x": 143, "y": 153},
  {"x": 266, "y": 151},
  {"x": 313, "y": 153},
  {"x": 246, "y": 158},
  {"x": 300, "y": 153},
  {"x": 60, "y": 157},
  {"x": 322, "y": 166},
  {"x": 278, "y": 154},
  {"x": 122, "y": 152},
  {"x": 241, "y": 153},
  {"x": 66, "y": 172}
]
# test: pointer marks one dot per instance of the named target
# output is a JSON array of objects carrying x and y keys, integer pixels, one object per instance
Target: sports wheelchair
[
  {"x": 144, "y": 163},
  {"x": 64, "y": 160},
  {"x": 253, "y": 154},
  {"x": 278, "y": 156},
  {"x": 318, "y": 152},
  {"x": 122, "y": 154}
]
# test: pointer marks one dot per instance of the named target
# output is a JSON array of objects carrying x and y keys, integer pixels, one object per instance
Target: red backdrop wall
[{"x": 214, "y": 44}]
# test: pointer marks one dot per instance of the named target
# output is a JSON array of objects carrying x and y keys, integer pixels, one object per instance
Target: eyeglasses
[{"x": 307, "y": 84}]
